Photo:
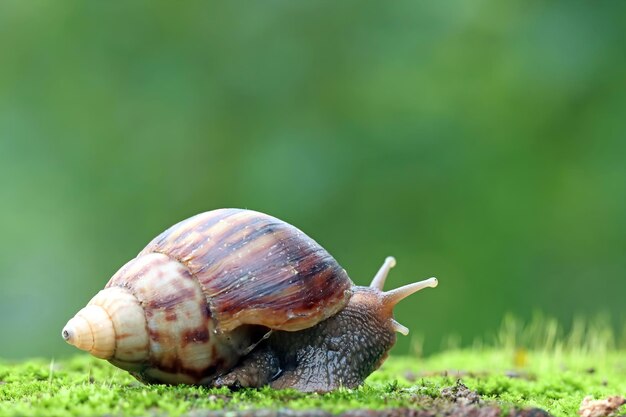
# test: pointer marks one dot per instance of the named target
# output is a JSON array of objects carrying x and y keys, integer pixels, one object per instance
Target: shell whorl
[
  {"x": 112, "y": 325},
  {"x": 182, "y": 344},
  {"x": 203, "y": 291}
]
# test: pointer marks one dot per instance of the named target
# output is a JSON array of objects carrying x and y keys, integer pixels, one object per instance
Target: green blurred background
[{"x": 480, "y": 142}]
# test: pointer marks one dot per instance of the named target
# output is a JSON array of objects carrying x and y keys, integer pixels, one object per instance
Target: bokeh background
[{"x": 481, "y": 142}]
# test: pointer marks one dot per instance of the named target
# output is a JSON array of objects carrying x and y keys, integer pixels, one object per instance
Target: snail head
[{"x": 354, "y": 342}]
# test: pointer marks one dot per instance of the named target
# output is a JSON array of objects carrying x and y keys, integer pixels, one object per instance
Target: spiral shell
[{"x": 204, "y": 291}]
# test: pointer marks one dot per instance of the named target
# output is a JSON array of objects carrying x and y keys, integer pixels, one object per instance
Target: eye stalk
[
  {"x": 379, "y": 279},
  {"x": 393, "y": 297}
]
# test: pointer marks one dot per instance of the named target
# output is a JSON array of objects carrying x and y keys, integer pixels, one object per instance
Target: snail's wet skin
[
  {"x": 239, "y": 298},
  {"x": 340, "y": 351}
]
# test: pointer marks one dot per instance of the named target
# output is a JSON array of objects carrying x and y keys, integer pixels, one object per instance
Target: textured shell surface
[{"x": 210, "y": 286}]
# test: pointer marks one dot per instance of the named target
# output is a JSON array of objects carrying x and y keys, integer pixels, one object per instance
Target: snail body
[{"x": 239, "y": 298}]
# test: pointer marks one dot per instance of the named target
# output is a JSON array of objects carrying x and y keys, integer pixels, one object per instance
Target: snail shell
[{"x": 203, "y": 292}]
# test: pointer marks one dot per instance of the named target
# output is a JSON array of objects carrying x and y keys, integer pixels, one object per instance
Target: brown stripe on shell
[
  {"x": 256, "y": 269},
  {"x": 199, "y": 335},
  {"x": 180, "y": 326},
  {"x": 283, "y": 290},
  {"x": 194, "y": 234},
  {"x": 176, "y": 372},
  {"x": 196, "y": 224}
]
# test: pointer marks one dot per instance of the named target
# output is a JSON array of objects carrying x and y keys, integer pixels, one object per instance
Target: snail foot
[{"x": 255, "y": 370}]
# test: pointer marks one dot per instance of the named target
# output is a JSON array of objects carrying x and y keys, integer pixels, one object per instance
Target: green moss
[{"x": 555, "y": 381}]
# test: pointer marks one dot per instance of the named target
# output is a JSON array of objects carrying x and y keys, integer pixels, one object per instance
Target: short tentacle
[{"x": 399, "y": 327}]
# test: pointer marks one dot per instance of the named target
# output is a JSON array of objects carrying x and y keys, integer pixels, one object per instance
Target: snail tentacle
[
  {"x": 393, "y": 297},
  {"x": 379, "y": 279}
]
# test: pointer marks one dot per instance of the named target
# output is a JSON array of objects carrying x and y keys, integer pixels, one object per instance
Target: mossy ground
[
  {"x": 532, "y": 365},
  {"x": 554, "y": 381}
]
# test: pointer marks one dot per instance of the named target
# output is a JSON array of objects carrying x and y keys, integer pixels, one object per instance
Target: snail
[{"x": 238, "y": 298}]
